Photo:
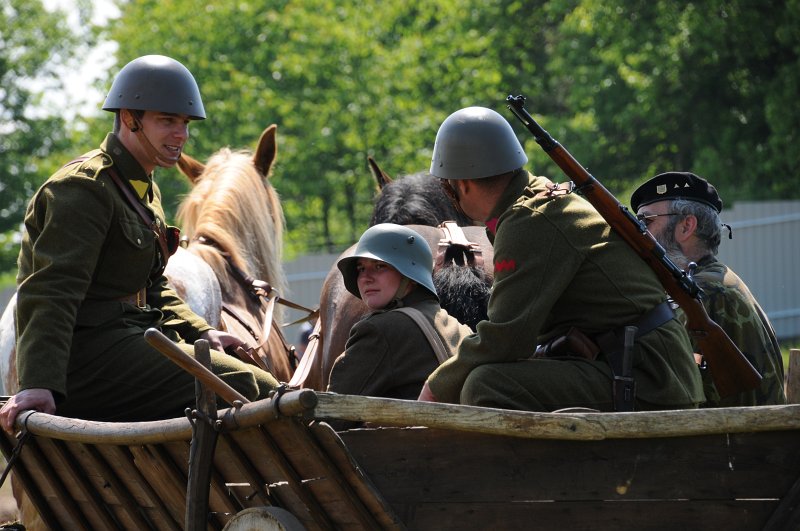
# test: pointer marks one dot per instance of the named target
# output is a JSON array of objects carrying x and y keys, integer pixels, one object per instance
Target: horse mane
[
  {"x": 416, "y": 199},
  {"x": 224, "y": 207},
  {"x": 464, "y": 292}
]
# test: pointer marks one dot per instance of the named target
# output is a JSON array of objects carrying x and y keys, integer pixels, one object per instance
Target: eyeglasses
[{"x": 649, "y": 218}]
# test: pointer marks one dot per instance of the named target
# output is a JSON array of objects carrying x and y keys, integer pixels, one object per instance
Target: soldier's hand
[
  {"x": 220, "y": 341},
  {"x": 426, "y": 395},
  {"x": 36, "y": 399}
]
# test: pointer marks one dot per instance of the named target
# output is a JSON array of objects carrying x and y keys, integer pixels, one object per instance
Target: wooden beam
[{"x": 793, "y": 377}]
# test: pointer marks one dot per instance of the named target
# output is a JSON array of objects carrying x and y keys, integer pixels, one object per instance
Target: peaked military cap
[{"x": 676, "y": 185}]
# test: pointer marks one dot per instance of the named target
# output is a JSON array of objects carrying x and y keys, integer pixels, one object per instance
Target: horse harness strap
[
  {"x": 254, "y": 286},
  {"x": 430, "y": 332},
  {"x": 454, "y": 237}
]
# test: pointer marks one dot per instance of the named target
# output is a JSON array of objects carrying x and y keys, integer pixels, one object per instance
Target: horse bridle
[{"x": 260, "y": 291}]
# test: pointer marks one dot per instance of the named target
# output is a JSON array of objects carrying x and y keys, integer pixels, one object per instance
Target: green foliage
[
  {"x": 33, "y": 43},
  {"x": 630, "y": 87}
]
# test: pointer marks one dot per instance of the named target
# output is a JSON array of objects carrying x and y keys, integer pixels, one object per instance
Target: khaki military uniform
[
  {"x": 730, "y": 304},
  {"x": 84, "y": 249},
  {"x": 559, "y": 265},
  {"x": 388, "y": 355}
]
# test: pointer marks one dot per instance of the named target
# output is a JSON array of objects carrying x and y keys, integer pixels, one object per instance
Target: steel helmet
[
  {"x": 156, "y": 83},
  {"x": 398, "y": 246},
  {"x": 475, "y": 142}
]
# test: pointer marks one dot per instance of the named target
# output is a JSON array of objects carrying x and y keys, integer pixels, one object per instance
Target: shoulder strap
[
  {"x": 143, "y": 213},
  {"x": 427, "y": 329}
]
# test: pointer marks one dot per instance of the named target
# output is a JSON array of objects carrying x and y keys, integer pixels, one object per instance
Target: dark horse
[{"x": 462, "y": 276}]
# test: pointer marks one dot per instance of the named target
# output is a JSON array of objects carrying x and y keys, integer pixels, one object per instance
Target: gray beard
[{"x": 674, "y": 251}]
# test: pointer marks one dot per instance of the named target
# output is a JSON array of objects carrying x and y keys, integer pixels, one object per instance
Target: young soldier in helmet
[
  {"x": 90, "y": 278},
  {"x": 388, "y": 353},
  {"x": 681, "y": 211},
  {"x": 563, "y": 280}
]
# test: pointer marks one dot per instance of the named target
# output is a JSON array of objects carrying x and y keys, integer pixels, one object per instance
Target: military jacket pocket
[{"x": 128, "y": 257}]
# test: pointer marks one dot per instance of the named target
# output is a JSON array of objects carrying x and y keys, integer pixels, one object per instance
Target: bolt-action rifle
[{"x": 731, "y": 371}]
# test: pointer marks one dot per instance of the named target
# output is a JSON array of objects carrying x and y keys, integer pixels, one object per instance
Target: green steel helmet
[
  {"x": 398, "y": 246},
  {"x": 475, "y": 142},
  {"x": 156, "y": 83}
]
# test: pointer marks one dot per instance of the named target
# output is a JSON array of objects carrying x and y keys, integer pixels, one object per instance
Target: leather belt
[{"x": 138, "y": 299}]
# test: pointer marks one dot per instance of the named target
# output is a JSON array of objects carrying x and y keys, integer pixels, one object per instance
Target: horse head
[
  {"x": 416, "y": 199},
  {"x": 233, "y": 220}
]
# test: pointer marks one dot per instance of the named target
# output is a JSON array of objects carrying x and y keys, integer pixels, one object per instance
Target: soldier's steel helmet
[
  {"x": 156, "y": 83},
  {"x": 398, "y": 246},
  {"x": 475, "y": 142}
]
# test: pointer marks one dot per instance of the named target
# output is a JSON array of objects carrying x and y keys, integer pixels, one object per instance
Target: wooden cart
[
  {"x": 274, "y": 462},
  {"x": 278, "y": 464}
]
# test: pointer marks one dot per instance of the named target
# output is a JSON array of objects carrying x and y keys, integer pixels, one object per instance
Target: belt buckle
[{"x": 141, "y": 298}]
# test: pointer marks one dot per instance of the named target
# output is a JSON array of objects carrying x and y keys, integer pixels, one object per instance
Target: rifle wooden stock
[{"x": 730, "y": 369}]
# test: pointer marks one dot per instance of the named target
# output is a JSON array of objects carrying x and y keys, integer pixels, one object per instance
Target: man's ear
[
  {"x": 129, "y": 120},
  {"x": 686, "y": 228}
]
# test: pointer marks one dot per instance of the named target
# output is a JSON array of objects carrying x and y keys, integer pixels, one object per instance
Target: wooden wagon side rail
[
  {"x": 562, "y": 426},
  {"x": 447, "y": 467}
]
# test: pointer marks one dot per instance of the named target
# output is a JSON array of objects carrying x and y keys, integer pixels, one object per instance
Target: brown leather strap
[
  {"x": 148, "y": 219},
  {"x": 454, "y": 241},
  {"x": 430, "y": 332},
  {"x": 138, "y": 299}
]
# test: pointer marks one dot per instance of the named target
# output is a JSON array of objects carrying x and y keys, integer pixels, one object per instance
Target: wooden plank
[
  {"x": 128, "y": 504},
  {"x": 221, "y": 502},
  {"x": 435, "y": 466},
  {"x": 258, "y": 454},
  {"x": 355, "y": 476},
  {"x": 330, "y": 488},
  {"x": 593, "y": 515},
  {"x": 30, "y": 476},
  {"x": 98, "y": 512},
  {"x": 793, "y": 377},
  {"x": 787, "y": 514},
  {"x": 163, "y": 483},
  {"x": 560, "y": 426}
]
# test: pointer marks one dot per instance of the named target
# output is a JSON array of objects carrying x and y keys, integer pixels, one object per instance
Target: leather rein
[{"x": 265, "y": 295}]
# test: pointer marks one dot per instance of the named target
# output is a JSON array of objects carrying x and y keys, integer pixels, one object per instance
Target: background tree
[
  {"x": 631, "y": 87},
  {"x": 34, "y": 42}
]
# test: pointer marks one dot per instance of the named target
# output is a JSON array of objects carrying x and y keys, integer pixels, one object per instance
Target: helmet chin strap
[
  {"x": 151, "y": 151},
  {"x": 403, "y": 289}
]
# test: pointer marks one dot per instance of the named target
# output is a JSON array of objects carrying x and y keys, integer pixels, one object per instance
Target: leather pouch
[{"x": 574, "y": 343}]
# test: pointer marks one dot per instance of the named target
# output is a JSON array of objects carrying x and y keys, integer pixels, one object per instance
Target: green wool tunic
[
  {"x": 559, "y": 265},
  {"x": 83, "y": 249},
  {"x": 730, "y": 304},
  {"x": 388, "y": 355}
]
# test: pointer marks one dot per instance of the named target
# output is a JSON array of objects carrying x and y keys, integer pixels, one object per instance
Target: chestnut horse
[
  {"x": 462, "y": 274},
  {"x": 232, "y": 220}
]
